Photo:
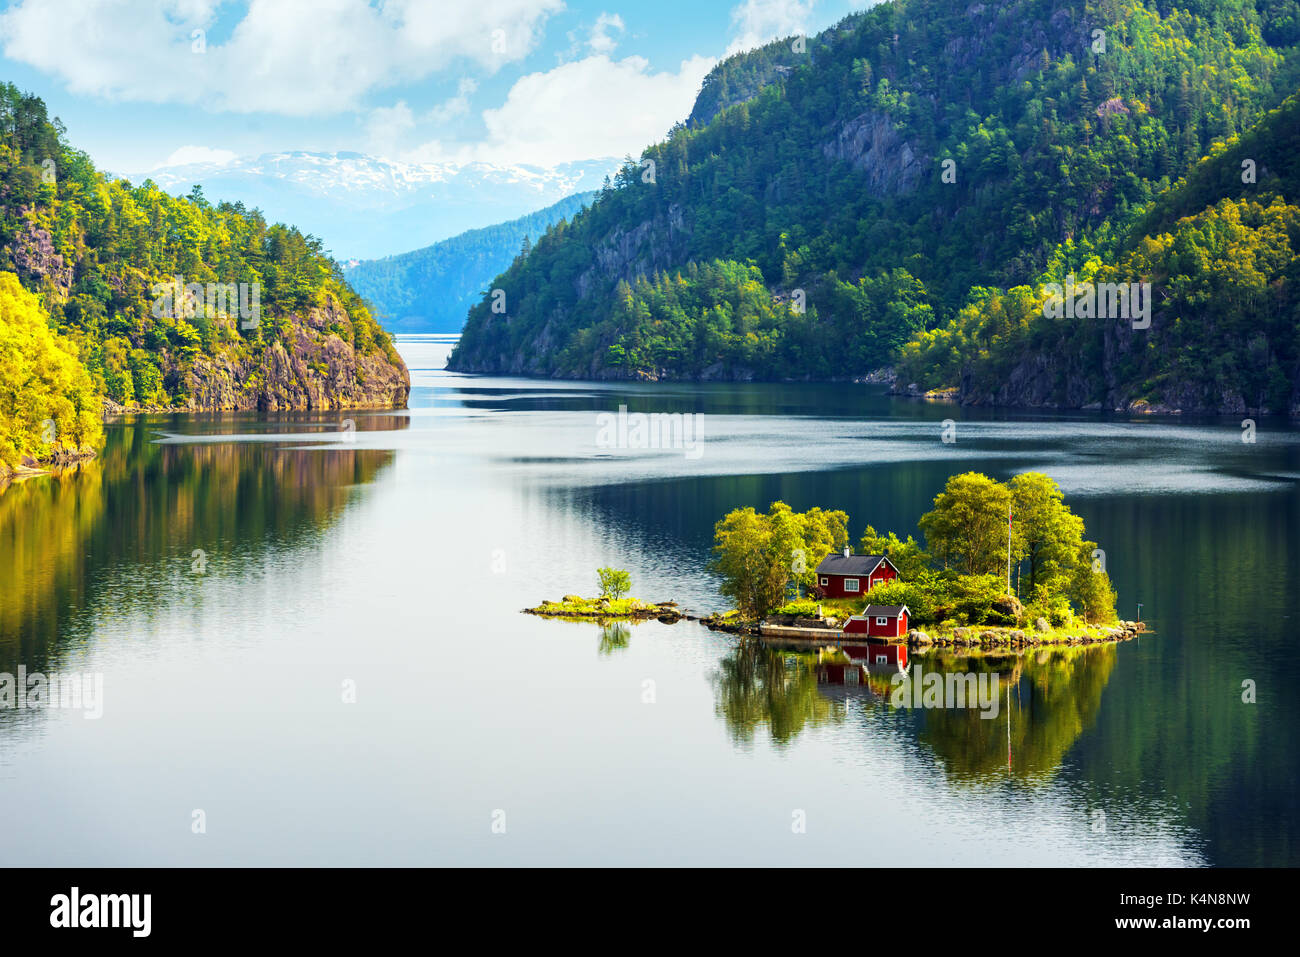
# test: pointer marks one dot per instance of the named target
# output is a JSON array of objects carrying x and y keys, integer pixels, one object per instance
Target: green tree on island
[
  {"x": 759, "y": 555},
  {"x": 614, "y": 582},
  {"x": 908, "y": 557},
  {"x": 1050, "y": 534},
  {"x": 967, "y": 529}
]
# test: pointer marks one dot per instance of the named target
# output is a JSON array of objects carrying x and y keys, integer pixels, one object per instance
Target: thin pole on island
[{"x": 1008, "y": 549}]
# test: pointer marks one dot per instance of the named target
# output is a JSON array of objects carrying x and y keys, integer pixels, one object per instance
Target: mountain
[
  {"x": 431, "y": 289},
  {"x": 117, "y": 297},
  {"x": 363, "y": 207},
  {"x": 1220, "y": 254},
  {"x": 875, "y": 184}
]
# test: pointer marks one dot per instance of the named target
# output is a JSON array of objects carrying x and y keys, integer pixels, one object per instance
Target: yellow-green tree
[
  {"x": 758, "y": 555},
  {"x": 48, "y": 404},
  {"x": 967, "y": 529}
]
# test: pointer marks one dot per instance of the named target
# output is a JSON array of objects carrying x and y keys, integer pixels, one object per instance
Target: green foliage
[
  {"x": 908, "y": 557},
  {"x": 48, "y": 404},
  {"x": 967, "y": 529},
  {"x": 614, "y": 582},
  {"x": 604, "y": 606},
  {"x": 1222, "y": 257},
  {"x": 1049, "y": 535},
  {"x": 939, "y": 597},
  {"x": 97, "y": 250},
  {"x": 1090, "y": 590},
  {"x": 759, "y": 555},
  {"x": 922, "y": 596}
]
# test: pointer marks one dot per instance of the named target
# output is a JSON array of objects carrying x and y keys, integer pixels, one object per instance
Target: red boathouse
[
  {"x": 848, "y": 575},
  {"x": 879, "y": 621}
]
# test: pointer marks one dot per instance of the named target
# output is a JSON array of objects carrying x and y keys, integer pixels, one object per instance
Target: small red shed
[
  {"x": 849, "y": 575},
  {"x": 879, "y": 621}
]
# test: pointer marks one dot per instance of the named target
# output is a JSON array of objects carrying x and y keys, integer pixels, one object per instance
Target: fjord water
[{"x": 235, "y": 579}]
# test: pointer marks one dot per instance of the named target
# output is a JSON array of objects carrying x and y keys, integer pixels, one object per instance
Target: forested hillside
[
  {"x": 911, "y": 159},
  {"x": 1221, "y": 252},
  {"x": 133, "y": 283},
  {"x": 431, "y": 289}
]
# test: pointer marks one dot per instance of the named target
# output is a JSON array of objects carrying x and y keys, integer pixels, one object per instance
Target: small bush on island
[
  {"x": 614, "y": 582},
  {"x": 958, "y": 577}
]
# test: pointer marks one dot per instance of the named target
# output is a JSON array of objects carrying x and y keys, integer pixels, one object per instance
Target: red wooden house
[
  {"x": 849, "y": 575},
  {"x": 879, "y": 621}
]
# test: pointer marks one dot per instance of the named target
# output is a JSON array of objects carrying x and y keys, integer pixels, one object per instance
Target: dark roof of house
[
  {"x": 837, "y": 564},
  {"x": 889, "y": 611}
]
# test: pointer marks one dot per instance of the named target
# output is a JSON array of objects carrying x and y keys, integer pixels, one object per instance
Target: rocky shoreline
[
  {"x": 30, "y": 466},
  {"x": 960, "y": 396},
  {"x": 1036, "y": 636},
  {"x": 664, "y": 611}
]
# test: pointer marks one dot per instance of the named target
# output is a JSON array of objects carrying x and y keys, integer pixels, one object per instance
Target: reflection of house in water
[
  {"x": 865, "y": 659},
  {"x": 880, "y": 657},
  {"x": 847, "y": 673}
]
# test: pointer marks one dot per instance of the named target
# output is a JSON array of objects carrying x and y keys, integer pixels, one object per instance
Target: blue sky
[{"x": 505, "y": 81}]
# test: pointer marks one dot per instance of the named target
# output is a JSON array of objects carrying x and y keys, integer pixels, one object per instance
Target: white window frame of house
[
  {"x": 825, "y": 580},
  {"x": 881, "y": 620},
  {"x": 882, "y": 659},
  {"x": 856, "y": 584}
]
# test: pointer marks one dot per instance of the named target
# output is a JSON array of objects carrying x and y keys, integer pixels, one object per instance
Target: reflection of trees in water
[
  {"x": 1054, "y": 695},
  {"x": 140, "y": 503},
  {"x": 614, "y": 636},
  {"x": 755, "y": 686}
]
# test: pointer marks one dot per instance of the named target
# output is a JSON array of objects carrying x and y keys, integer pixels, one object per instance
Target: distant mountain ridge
[
  {"x": 365, "y": 207},
  {"x": 432, "y": 289}
]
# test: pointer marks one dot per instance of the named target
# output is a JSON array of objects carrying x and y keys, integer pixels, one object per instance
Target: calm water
[{"x": 393, "y": 560}]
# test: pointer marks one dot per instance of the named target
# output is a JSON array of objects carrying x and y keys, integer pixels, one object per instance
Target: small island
[
  {"x": 1003, "y": 566},
  {"x": 612, "y": 604}
]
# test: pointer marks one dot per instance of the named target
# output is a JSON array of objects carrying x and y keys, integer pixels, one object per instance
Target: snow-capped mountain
[{"x": 364, "y": 207}]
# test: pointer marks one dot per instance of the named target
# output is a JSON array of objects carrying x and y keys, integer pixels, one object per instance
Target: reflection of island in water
[
  {"x": 67, "y": 538},
  {"x": 614, "y": 636},
  {"x": 1046, "y": 698}
]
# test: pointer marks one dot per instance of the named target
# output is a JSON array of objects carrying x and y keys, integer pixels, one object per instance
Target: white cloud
[
  {"x": 387, "y": 126},
  {"x": 198, "y": 154},
  {"x": 594, "y": 107},
  {"x": 756, "y": 22},
  {"x": 602, "y": 39},
  {"x": 457, "y": 105},
  {"x": 293, "y": 57}
]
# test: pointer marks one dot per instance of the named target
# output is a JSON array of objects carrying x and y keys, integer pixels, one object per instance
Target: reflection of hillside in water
[
  {"x": 67, "y": 540},
  {"x": 1054, "y": 696}
]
